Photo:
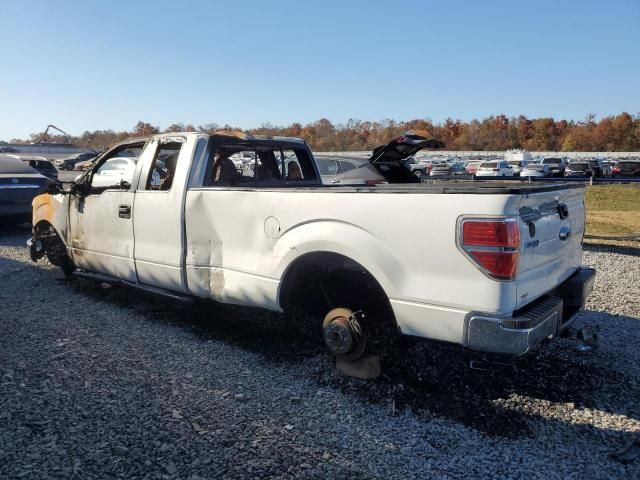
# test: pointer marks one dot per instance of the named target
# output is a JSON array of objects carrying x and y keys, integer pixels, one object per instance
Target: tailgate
[{"x": 551, "y": 231}]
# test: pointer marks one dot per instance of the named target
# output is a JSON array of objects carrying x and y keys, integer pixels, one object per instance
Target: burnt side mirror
[
  {"x": 54, "y": 188},
  {"x": 80, "y": 189}
]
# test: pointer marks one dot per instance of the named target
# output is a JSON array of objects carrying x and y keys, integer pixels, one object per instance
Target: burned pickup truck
[{"x": 493, "y": 265}]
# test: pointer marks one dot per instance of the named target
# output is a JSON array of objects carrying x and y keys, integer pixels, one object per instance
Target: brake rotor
[{"x": 343, "y": 333}]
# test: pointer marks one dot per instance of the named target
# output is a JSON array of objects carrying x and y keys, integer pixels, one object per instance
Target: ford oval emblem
[
  {"x": 14, "y": 180},
  {"x": 565, "y": 232}
]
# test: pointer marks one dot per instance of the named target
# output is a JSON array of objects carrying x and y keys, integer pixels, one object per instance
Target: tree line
[{"x": 612, "y": 133}]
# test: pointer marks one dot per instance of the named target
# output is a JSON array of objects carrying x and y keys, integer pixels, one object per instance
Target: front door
[{"x": 100, "y": 222}]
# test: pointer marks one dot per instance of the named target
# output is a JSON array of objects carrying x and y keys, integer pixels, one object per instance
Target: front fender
[
  {"x": 51, "y": 209},
  {"x": 342, "y": 238}
]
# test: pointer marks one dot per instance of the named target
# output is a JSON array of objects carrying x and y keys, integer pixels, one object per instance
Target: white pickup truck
[{"x": 493, "y": 266}]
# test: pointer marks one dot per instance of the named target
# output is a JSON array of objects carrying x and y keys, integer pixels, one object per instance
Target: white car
[
  {"x": 494, "y": 169},
  {"x": 535, "y": 170},
  {"x": 114, "y": 171},
  {"x": 516, "y": 166}
]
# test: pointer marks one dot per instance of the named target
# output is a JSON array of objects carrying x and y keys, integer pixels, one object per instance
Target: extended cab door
[
  {"x": 158, "y": 212},
  {"x": 100, "y": 225}
]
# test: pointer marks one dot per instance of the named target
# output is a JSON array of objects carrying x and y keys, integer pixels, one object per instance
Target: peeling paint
[{"x": 217, "y": 284}]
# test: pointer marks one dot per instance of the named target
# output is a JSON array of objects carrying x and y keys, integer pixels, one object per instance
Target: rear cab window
[{"x": 259, "y": 164}]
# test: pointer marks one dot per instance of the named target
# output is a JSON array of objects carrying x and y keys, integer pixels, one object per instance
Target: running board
[{"x": 99, "y": 277}]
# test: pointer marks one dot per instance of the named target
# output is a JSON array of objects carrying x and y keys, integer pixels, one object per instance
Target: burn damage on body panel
[{"x": 49, "y": 231}]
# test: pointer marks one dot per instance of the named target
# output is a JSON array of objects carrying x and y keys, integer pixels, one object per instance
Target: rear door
[
  {"x": 551, "y": 231},
  {"x": 158, "y": 212}
]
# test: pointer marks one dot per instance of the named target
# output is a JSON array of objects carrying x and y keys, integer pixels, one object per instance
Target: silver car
[
  {"x": 440, "y": 170},
  {"x": 535, "y": 170},
  {"x": 516, "y": 166},
  {"x": 348, "y": 171}
]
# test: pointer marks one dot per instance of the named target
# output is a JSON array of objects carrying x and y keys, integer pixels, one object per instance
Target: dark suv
[
  {"x": 626, "y": 168},
  {"x": 579, "y": 169}
]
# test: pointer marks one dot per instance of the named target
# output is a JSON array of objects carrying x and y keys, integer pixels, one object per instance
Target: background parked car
[
  {"x": 8, "y": 150},
  {"x": 69, "y": 162},
  {"x": 472, "y": 167},
  {"x": 597, "y": 166},
  {"x": 579, "y": 169},
  {"x": 626, "y": 168},
  {"x": 419, "y": 166},
  {"x": 517, "y": 155},
  {"x": 19, "y": 183},
  {"x": 113, "y": 171},
  {"x": 494, "y": 169},
  {"x": 516, "y": 166},
  {"x": 39, "y": 164},
  {"x": 84, "y": 164},
  {"x": 45, "y": 167},
  {"x": 348, "y": 171},
  {"x": 535, "y": 170},
  {"x": 458, "y": 168},
  {"x": 556, "y": 166},
  {"x": 440, "y": 170}
]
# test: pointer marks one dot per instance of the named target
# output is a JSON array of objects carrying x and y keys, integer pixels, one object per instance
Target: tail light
[
  {"x": 616, "y": 169},
  {"x": 492, "y": 245}
]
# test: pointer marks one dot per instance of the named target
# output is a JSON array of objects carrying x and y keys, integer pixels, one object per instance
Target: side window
[
  {"x": 327, "y": 166},
  {"x": 231, "y": 165},
  {"x": 118, "y": 169},
  {"x": 259, "y": 166},
  {"x": 298, "y": 166},
  {"x": 346, "y": 166},
  {"x": 163, "y": 168}
]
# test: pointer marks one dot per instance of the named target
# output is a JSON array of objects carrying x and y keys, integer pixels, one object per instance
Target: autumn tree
[
  {"x": 143, "y": 129},
  {"x": 620, "y": 132}
]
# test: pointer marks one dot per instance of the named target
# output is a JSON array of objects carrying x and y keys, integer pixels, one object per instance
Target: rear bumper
[{"x": 528, "y": 327}]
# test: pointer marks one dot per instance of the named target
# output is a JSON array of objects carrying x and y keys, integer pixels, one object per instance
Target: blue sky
[{"x": 85, "y": 65}]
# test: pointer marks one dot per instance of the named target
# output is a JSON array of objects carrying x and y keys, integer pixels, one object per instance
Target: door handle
[{"x": 124, "y": 211}]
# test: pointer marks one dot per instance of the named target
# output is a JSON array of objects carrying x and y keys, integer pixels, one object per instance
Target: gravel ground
[{"x": 101, "y": 382}]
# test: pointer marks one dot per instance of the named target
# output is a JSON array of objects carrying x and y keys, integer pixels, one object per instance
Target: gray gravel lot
[{"x": 101, "y": 382}]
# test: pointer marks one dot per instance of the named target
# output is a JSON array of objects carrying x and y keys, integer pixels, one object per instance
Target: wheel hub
[
  {"x": 339, "y": 336},
  {"x": 343, "y": 333}
]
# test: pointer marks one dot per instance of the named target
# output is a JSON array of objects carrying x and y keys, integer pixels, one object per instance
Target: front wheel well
[{"x": 52, "y": 246}]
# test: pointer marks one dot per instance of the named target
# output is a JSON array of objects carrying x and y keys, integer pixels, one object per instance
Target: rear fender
[{"x": 342, "y": 238}]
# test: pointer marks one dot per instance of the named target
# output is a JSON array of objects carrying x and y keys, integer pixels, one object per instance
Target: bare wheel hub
[{"x": 343, "y": 333}]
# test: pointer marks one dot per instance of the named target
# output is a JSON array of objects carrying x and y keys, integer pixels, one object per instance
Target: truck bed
[{"x": 487, "y": 187}]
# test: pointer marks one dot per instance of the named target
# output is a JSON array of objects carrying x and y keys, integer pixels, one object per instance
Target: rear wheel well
[{"x": 318, "y": 282}]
